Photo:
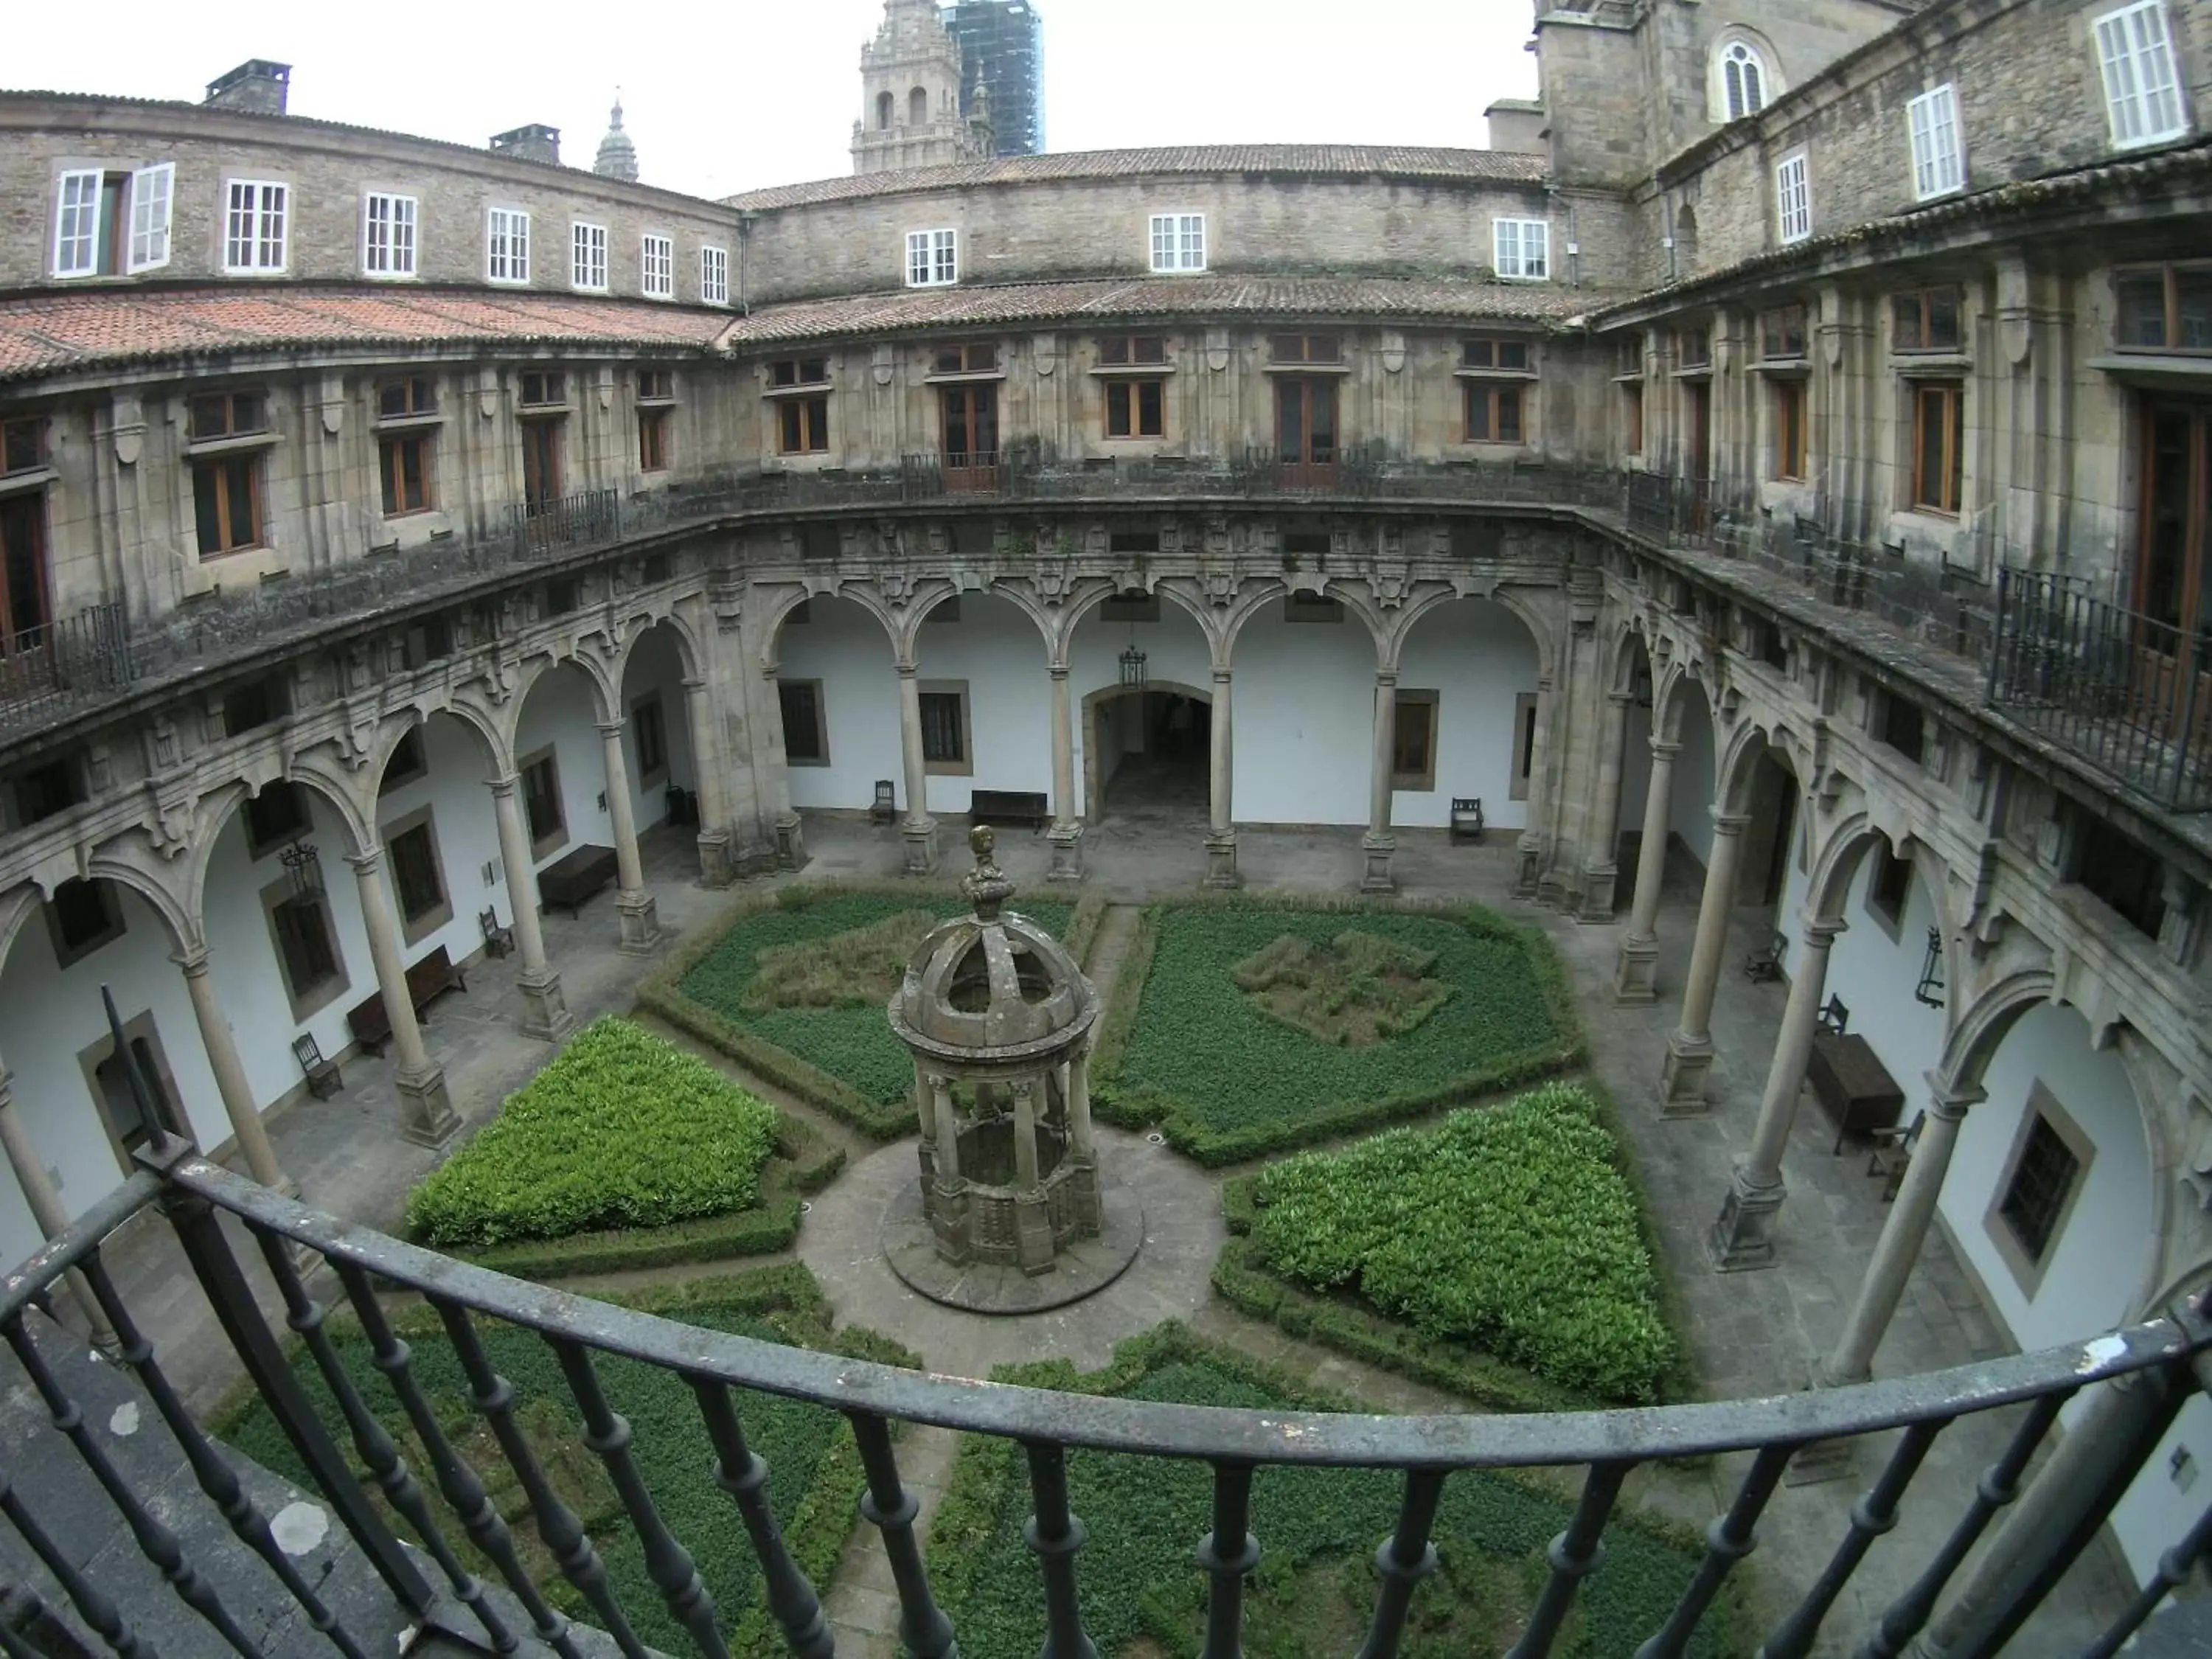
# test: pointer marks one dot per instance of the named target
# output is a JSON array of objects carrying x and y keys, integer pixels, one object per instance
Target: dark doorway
[{"x": 1150, "y": 755}]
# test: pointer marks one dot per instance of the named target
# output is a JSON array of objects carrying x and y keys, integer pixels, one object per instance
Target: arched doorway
[
  {"x": 657, "y": 741},
  {"x": 1146, "y": 753}
]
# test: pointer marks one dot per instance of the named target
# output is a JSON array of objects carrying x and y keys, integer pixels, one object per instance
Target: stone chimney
[
  {"x": 256, "y": 86},
  {"x": 530, "y": 144},
  {"x": 1516, "y": 126}
]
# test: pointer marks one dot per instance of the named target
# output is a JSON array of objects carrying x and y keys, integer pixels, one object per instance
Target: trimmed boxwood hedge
[
  {"x": 1182, "y": 1048},
  {"x": 1316, "y": 1529}
]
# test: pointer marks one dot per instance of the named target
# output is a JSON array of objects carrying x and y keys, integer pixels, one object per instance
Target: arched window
[
  {"x": 885, "y": 104},
  {"x": 917, "y": 108},
  {"x": 1685, "y": 243},
  {"x": 1744, "y": 74}
]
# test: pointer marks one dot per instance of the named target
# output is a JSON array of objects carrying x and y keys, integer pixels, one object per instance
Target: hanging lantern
[
  {"x": 304, "y": 865},
  {"x": 1132, "y": 665},
  {"x": 1930, "y": 989}
]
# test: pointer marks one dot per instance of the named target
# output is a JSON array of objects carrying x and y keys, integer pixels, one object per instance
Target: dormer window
[
  {"x": 1743, "y": 80},
  {"x": 112, "y": 224}
]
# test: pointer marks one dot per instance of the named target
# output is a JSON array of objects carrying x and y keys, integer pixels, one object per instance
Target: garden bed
[
  {"x": 1245, "y": 1026},
  {"x": 1315, "y": 1588}
]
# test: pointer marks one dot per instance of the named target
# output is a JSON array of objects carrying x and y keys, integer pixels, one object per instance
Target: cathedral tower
[{"x": 910, "y": 113}]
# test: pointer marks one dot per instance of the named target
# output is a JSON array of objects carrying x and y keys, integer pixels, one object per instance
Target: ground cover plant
[
  {"x": 814, "y": 1471},
  {"x": 622, "y": 1129},
  {"x": 1317, "y": 1529},
  {"x": 1212, "y": 1036}
]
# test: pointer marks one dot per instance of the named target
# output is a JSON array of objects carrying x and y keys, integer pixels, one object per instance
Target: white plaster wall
[
  {"x": 456, "y": 791},
  {"x": 1175, "y": 650},
  {"x": 1479, "y": 658},
  {"x": 656, "y": 665},
  {"x": 2161, "y": 1505},
  {"x": 1689, "y": 816},
  {"x": 843, "y": 647},
  {"x": 562, "y": 710},
  {"x": 1000, "y": 654},
  {"x": 1635, "y": 771},
  {"x": 1304, "y": 721}
]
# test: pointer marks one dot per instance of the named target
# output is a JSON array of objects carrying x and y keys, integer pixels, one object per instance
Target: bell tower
[{"x": 910, "y": 95}]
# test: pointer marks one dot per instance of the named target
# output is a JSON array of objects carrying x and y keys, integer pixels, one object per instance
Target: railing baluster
[
  {"x": 2175, "y": 1568},
  {"x": 1728, "y": 1540},
  {"x": 155, "y": 1541},
  {"x": 1404, "y": 1559},
  {"x": 1575, "y": 1555},
  {"x": 493, "y": 1396},
  {"x": 667, "y": 1563},
  {"x": 215, "y": 1477},
  {"x": 379, "y": 1456},
  {"x": 93, "y": 1607},
  {"x": 1228, "y": 1555},
  {"x": 1998, "y": 1486},
  {"x": 1053, "y": 1535},
  {"x": 888, "y": 1506},
  {"x": 743, "y": 1474},
  {"x": 1871, "y": 1516},
  {"x": 458, "y": 1483}
]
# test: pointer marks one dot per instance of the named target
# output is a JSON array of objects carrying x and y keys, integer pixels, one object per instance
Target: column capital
[
  {"x": 1059, "y": 671},
  {"x": 1819, "y": 931},
  {"x": 1662, "y": 750},
  {"x": 1386, "y": 678},
  {"x": 611, "y": 728},
  {"x": 1620, "y": 699},
  {"x": 1221, "y": 674},
  {"x": 366, "y": 863},
  {"x": 906, "y": 670},
  {"x": 1949, "y": 1102},
  {"x": 193, "y": 959},
  {"x": 1730, "y": 824},
  {"x": 502, "y": 785},
  {"x": 696, "y": 682}
]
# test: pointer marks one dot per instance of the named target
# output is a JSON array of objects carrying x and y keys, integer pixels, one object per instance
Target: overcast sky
[{"x": 725, "y": 96}]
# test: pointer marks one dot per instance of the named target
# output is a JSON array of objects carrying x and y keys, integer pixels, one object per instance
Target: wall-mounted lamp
[{"x": 1930, "y": 989}]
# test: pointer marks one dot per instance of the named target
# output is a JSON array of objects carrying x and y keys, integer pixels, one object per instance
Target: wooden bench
[
  {"x": 370, "y": 1021},
  {"x": 1852, "y": 1085},
  {"x": 1009, "y": 807},
  {"x": 570, "y": 879}
]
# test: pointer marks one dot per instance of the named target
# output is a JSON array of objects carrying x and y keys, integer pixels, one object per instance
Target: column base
[
  {"x": 426, "y": 1112},
  {"x": 1636, "y": 973},
  {"x": 545, "y": 1010},
  {"x": 790, "y": 841},
  {"x": 1682, "y": 1079},
  {"x": 715, "y": 867},
  {"x": 1529, "y": 874},
  {"x": 1742, "y": 1239},
  {"x": 640, "y": 923},
  {"x": 1066, "y": 843},
  {"x": 1221, "y": 860},
  {"x": 1599, "y": 883},
  {"x": 919, "y": 835},
  {"x": 1379, "y": 850}
]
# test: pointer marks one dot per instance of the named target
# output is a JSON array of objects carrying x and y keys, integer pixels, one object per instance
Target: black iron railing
[
  {"x": 200, "y": 1201},
  {"x": 86, "y": 655}
]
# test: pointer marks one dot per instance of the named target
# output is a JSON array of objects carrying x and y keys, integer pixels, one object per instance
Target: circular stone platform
[{"x": 1082, "y": 1268}]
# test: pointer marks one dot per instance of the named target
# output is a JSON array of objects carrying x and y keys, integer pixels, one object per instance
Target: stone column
[
  {"x": 1528, "y": 876},
  {"x": 1026, "y": 1134},
  {"x": 1601, "y": 860},
  {"x": 1903, "y": 1232},
  {"x": 1066, "y": 835},
  {"x": 1078, "y": 1106},
  {"x": 716, "y": 868},
  {"x": 545, "y": 1010},
  {"x": 790, "y": 849},
  {"x": 641, "y": 919},
  {"x": 1744, "y": 1236},
  {"x": 426, "y": 1114},
  {"x": 946, "y": 1123},
  {"x": 46, "y": 1208},
  {"x": 1690, "y": 1049},
  {"x": 920, "y": 829},
  {"x": 1378, "y": 843},
  {"x": 222, "y": 1045},
  {"x": 1221, "y": 836},
  {"x": 1635, "y": 975}
]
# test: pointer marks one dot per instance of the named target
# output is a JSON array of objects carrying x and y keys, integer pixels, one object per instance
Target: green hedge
[
  {"x": 1316, "y": 1528},
  {"x": 1507, "y": 1228},
  {"x": 1182, "y": 1048},
  {"x": 621, "y": 1129}
]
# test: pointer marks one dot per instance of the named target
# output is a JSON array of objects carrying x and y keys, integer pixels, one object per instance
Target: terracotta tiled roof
[
  {"x": 1164, "y": 298},
  {"x": 1413, "y": 162},
  {"x": 55, "y": 333}
]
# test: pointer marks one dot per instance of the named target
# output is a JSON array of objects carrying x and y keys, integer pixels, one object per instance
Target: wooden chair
[
  {"x": 1834, "y": 1017},
  {"x": 1893, "y": 1154},
  {"x": 1763, "y": 965},
  {"x": 1466, "y": 818},
  {"x": 885, "y": 807},
  {"x": 498, "y": 941},
  {"x": 323, "y": 1077}
]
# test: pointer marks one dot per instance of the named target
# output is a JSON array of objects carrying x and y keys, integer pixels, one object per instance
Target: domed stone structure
[{"x": 617, "y": 156}]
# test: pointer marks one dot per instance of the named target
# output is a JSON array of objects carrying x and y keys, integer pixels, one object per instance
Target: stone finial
[{"x": 986, "y": 886}]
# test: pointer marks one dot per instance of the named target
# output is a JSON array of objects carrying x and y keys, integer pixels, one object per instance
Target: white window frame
[
  {"x": 656, "y": 266},
  {"x": 2142, "y": 81},
  {"x": 391, "y": 247},
  {"x": 1530, "y": 256},
  {"x": 933, "y": 258},
  {"x": 507, "y": 246},
  {"x": 271, "y": 202},
  {"x": 1939, "y": 143},
  {"x": 714, "y": 274},
  {"x": 152, "y": 212},
  {"x": 587, "y": 257},
  {"x": 76, "y": 221},
  {"x": 1178, "y": 243},
  {"x": 1793, "y": 197},
  {"x": 1739, "y": 54}
]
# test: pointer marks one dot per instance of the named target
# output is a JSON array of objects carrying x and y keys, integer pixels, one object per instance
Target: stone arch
[
  {"x": 481, "y": 720},
  {"x": 1629, "y": 648},
  {"x": 17, "y": 906},
  {"x": 605, "y": 697},
  {"x": 886, "y": 110},
  {"x": 860, "y": 594},
  {"x": 113, "y": 863},
  {"x": 1980, "y": 1026},
  {"x": 1210, "y": 627},
  {"x": 219, "y": 806},
  {"x": 1747, "y": 745},
  {"x": 910, "y": 637},
  {"x": 1533, "y": 619},
  {"x": 1668, "y": 702},
  {"x": 1835, "y": 868},
  {"x": 1686, "y": 242},
  {"x": 917, "y": 107},
  {"x": 688, "y": 651}
]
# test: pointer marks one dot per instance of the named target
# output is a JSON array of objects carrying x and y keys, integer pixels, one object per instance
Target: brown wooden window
[
  {"x": 2173, "y": 560},
  {"x": 24, "y": 609},
  {"x": 1788, "y": 430},
  {"x": 415, "y": 880},
  {"x": 1629, "y": 357},
  {"x": 23, "y": 445},
  {"x": 1129, "y": 351},
  {"x": 302, "y": 927},
  {"x": 541, "y": 463},
  {"x": 1493, "y": 414},
  {"x": 655, "y": 385},
  {"x": 2043, "y": 1179},
  {"x": 1305, "y": 422},
  {"x": 1510, "y": 357},
  {"x": 799, "y": 371},
  {"x": 1927, "y": 319},
  {"x": 541, "y": 801},
  {"x": 1306, "y": 348},
  {"x": 945, "y": 729},
  {"x": 805, "y": 734},
  {"x": 404, "y": 466},
  {"x": 227, "y": 503},
  {"x": 971, "y": 426},
  {"x": 1136, "y": 409},
  {"x": 653, "y": 435},
  {"x": 1782, "y": 334},
  {"x": 1693, "y": 348},
  {"x": 227, "y": 415},
  {"x": 2165, "y": 308},
  {"x": 973, "y": 358},
  {"x": 802, "y": 425},
  {"x": 1631, "y": 416},
  {"x": 544, "y": 386},
  {"x": 1413, "y": 741},
  {"x": 1939, "y": 442},
  {"x": 415, "y": 394}
]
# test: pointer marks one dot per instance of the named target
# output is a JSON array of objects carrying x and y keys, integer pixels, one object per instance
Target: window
[
  {"x": 254, "y": 226},
  {"x": 23, "y": 606},
  {"x": 1311, "y": 607},
  {"x": 1793, "y": 197},
  {"x": 714, "y": 275},
  {"x": 406, "y": 398},
  {"x": 970, "y": 415},
  {"x": 1493, "y": 414},
  {"x": 1310, "y": 544},
  {"x": 1902, "y": 726},
  {"x": 417, "y": 882},
  {"x": 1413, "y": 741},
  {"x": 82, "y": 916},
  {"x": 404, "y": 467},
  {"x": 227, "y": 503},
  {"x": 649, "y": 735},
  {"x": 1631, "y": 418},
  {"x": 227, "y": 415},
  {"x": 656, "y": 386},
  {"x": 971, "y": 359},
  {"x": 653, "y": 433},
  {"x": 300, "y": 924},
  {"x": 2038, "y": 1193},
  {"x": 1926, "y": 320},
  {"x": 112, "y": 224},
  {"x": 77, "y": 226},
  {"x": 806, "y": 735},
  {"x": 1524, "y": 746},
  {"x": 1306, "y": 422},
  {"x": 408, "y": 764},
  {"x": 945, "y": 727},
  {"x": 422, "y": 643},
  {"x": 1523, "y": 248},
  {"x": 799, "y": 371},
  {"x": 1132, "y": 350},
  {"x": 2141, "y": 93},
  {"x": 1939, "y": 160},
  {"x": 541, "y": 802},
  {"x": 1178, "y": 242},
  {"x": 1501, "y": 356},
  {"x": 541, "y": 463},
  {"x": 1136, "y": 409},
  {"x": 2122, "y": 873},
  {"x": 2168, "y": 308},
  {"x": 1693, "y": 348},
  {"x": 387, "y": 236},
  {"x": 1306, "y": 348},
  {"x": 254, "y": 705},
  {"x": 1782, "y": 334},
  {"x": 126, "y": 1118},
  {"x": 657, "y": 267},
  {"x": 23, "y": 445},
  {"x": 803, "y": 426},
  {"x": 1789, "y": 429},
  {"x": 153, "y": 200},
  {"x": 587, "y": 261},
  {"x": 43, "y": 792},
  {"x": 1888, "y": 888},
  {"x": 507, "y": 246},
  {"x": 1939, "y": 442},
  {"x": 543, "y": 387},
  {"x": 1743, "y": 80},
  {"x": 1131, "y": 607},
  {"x": 933, "y": 258}
]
